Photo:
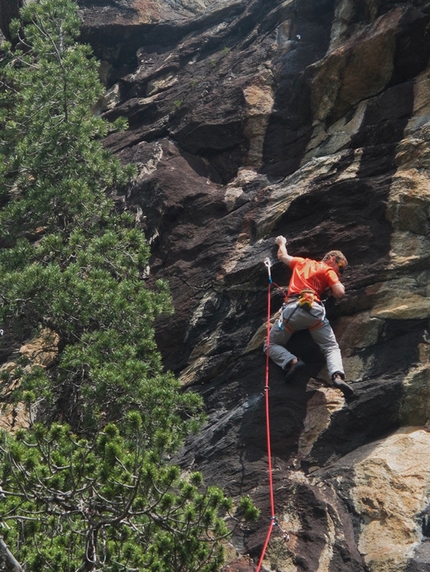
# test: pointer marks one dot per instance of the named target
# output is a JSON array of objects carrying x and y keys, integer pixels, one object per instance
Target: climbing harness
[
  {"x": 303, "y": 300},
  {"x": 273, "y": 521}
]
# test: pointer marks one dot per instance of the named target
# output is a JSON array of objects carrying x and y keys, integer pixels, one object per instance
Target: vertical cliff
[{"x": 310, "y": 119}]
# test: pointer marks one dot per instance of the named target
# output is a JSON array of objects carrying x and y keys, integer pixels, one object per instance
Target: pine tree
[{"x": 89, "y": 486}]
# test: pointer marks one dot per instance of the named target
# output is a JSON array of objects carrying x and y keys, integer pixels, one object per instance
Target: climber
[{"x": 302, "y": 309}]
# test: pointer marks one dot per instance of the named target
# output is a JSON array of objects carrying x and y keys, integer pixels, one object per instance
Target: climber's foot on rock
[
  {"x": 293, "y": 368},
  {"x": 341, "y": 384}
]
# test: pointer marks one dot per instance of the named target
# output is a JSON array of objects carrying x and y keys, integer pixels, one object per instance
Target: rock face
[
  {"x": 9, "y": 9},
  {"x": 250, "y": 119}
]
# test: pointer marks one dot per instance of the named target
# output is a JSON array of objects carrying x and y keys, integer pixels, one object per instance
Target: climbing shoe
[
  {"x": 294, "y": 369},
  {"x": 339, "y": 382}
]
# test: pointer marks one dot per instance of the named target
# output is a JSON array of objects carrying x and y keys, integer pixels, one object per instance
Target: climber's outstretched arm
[{"x": 283, "y": 255}]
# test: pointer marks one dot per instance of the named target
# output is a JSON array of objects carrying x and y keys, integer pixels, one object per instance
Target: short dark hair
[{"x": 338, "y": 257}]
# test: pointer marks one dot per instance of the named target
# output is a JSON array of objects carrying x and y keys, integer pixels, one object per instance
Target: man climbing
[{"x": 302, "y": 309}]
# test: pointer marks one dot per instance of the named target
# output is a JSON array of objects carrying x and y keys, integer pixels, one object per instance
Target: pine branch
[{"x": 10, "y": 557}]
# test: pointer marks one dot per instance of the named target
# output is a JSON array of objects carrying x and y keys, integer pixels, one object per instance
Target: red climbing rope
[{"x": 269, "y": 451}]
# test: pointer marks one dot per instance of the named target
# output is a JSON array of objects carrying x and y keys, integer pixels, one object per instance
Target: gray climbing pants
[{"x": 294, "y": 318}]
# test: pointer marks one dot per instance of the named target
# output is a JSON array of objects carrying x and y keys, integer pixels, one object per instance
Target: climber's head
[{"x": 337, "y": 260}]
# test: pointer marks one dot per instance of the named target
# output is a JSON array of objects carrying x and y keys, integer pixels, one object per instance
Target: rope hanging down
[{"x": 269, "y": 452}]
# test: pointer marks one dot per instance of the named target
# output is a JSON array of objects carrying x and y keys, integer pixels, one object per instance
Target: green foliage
[
  {"x": 89, "y": 487},
  {"x": 54, "y": 166},
  {"x": 109, "y": 500}
]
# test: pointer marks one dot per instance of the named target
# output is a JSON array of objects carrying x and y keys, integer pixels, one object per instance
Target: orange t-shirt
[{"x": 310, "y": 275}]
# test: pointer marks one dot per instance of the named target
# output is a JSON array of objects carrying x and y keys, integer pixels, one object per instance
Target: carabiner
[{"x": 268, "y": 265}]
